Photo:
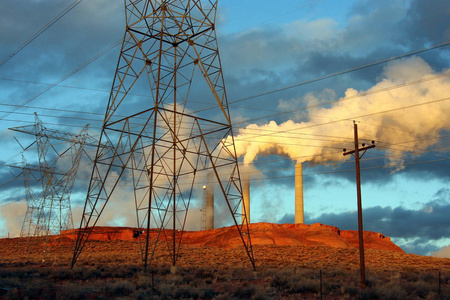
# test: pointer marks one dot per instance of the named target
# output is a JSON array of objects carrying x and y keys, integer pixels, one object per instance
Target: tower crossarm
[
  {"x": 35, "y": 168},
  {"x": 58, "y": 135}
]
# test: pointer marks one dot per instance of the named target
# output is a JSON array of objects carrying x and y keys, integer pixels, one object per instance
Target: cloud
[
  {"x": 289, "y": 219},
  {"x": 254, "y": 61},
  {"x": 430, "y": 221},
  {"x": 444, "y": 252},
  {"x": 415, "y": 230},
  {"x": 416, "y": 245},
  {"x": 11, "y": 215},
  {"x": 428, "y": 22},
  {"x": 328, "y": 129}
]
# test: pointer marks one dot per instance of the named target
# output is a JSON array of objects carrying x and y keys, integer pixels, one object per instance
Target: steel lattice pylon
[
  {"x": 49, "y": 211},
  {"x": 161, "y": 143}
]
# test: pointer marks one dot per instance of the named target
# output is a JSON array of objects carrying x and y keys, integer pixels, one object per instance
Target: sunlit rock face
[{"x": 261, "y": 234}]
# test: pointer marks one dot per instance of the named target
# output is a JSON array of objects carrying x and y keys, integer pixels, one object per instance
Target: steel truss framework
[
  {"x": 49, "y": 211},
  {"x": 158, "y": 147}
]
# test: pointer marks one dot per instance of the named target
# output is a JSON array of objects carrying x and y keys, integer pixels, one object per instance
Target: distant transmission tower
[
  {"x": 49, "y": 211},
  {"x": 162, "y": 143}
]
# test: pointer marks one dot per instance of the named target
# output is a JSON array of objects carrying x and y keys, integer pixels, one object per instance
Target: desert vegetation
[
  {"x": 123, "y": 281},
  {"x": 39, "y": 268}
]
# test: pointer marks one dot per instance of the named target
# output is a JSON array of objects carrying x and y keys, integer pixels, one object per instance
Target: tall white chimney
[
  {"x": 209, "y": 194},
  {"x": 246, "y": 198},
  {"x": 299, "y": 212}
]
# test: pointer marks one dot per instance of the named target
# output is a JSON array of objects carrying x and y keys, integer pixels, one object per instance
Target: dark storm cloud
[
  {"x": 254, "y": 61},
  {"x": 321, "y": 64},
  {"x": 373, "y": 171},
  {"x": 87, "y": 29},
  {"x": 429, "y": 221},
  {"x": 10, "y": 176},
  {"x": 302, "y": 50},
  {"x": 429, "y": 22},
  {"x": 417, "y": 246},
  {"x": 289, "y": 219},
  {"x": 414, "y": 230}
]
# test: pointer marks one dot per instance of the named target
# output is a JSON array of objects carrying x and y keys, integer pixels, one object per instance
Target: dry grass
[{"x": 111, "y": 270}]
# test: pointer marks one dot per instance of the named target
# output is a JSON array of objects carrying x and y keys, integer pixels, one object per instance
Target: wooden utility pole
[{"x": 358, "y": 156}]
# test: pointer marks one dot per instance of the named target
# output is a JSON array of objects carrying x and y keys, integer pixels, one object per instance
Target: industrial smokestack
[
  {"x": 209, "y": 194},
  {"x": 299, "y": 212},
  {"x": 245, "y": 198}
]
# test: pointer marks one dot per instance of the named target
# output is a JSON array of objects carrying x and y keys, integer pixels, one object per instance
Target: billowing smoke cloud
[
  {"x": 8, "y": 214},
  {"x": 444, "y": 252},
  {"x": 401, "y": 112}
]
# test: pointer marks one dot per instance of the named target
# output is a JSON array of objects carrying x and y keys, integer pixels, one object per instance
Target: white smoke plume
[
  {"x": 393, "y": 112},
  {"x": 9, "y": 215}
]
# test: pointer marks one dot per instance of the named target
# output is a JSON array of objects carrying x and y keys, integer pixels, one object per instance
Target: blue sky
[{"x": 266, "y": 46}]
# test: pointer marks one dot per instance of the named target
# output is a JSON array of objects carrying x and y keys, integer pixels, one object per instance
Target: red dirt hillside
[{"x": 261, "y": 234}]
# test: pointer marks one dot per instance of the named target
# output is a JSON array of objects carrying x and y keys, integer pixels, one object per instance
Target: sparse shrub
[
  {"x": 224, "y": 296},
  {"x": 428, "y": 277},
  {"x": 175, "y": 279},
  {"x": 165, "y": 290},
  {"x": 392, "y": 291},
  {"x": 10, "y": 282},
  {"x": 433, "y": 296},
  {"x": 144, "y": 295},
  {"x": 418, "y": 289},
  {"x": 260, "y": 294},
  {"x": 144, "y": 282},
  {"x": 409, "y": 277},
  {"x": 304, "y": 285},
  {"x": 37, "y": 289},
  {"x": 243, "y": 292},
  {"x": 350, "y": 290},
  {"x": 124, "y": 271},
  {"x": 185, "y": 292},
  {"x": 368, "y": 294},
  {"x": 279, "y": 282},
  {"x": 120, "y": 287},
  {"x": 14, "y": 294},
  {"x": 177, "y": 291},
  {"x": 85, "y": 273},
  {"x": 204, "y": 274},
  {"x": 208, "y": 294},
  {"x": 243, "y": 274},
  {"x": 61, "y": 273},
  {"x": 72, "y": 291}
]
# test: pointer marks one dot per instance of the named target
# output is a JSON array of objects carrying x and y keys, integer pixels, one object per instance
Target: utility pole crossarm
[{"x": 360, "y": 149}]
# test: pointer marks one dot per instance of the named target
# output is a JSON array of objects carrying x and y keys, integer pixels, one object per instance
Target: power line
[
  {"x": 62, "y": 79},
  {"x": 273, "y": 132},
  {"x": 332, "y": 75},
  {"x": 281, "y": 113},
  {"x": 53, "y": 116},
  {"x": 256, "y": 95},
  {"x": 348, "y": 170},
  {"x": 342, "y": 72},
  {"x": 358, "y": 95},
  {"x": 40, "y": 31}
]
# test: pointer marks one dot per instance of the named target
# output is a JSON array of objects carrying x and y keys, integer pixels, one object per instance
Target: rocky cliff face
[{"x": 261, "y": 234}]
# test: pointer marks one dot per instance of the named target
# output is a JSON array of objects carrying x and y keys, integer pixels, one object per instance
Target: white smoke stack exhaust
[{"x": 408, "y": 106}]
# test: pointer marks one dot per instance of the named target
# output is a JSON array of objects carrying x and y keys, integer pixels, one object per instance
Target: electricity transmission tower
[
  {"x": 167, "y": 125},
  {"x": 49, "y": 211}
]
